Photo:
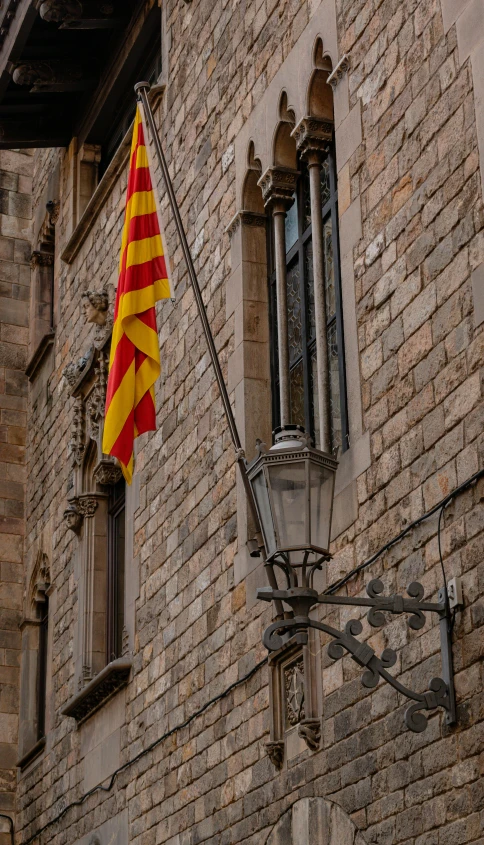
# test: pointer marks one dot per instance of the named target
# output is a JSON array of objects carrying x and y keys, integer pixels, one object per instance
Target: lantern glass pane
[
  {"x": 261, "y": 494},
  {"x": 289, "y": 496},
  {"x": 321, "y": 503}
]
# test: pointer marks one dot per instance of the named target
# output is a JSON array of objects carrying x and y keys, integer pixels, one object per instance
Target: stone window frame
[
  {"x": 96, "y": 678},
  {"x": 36, "y": 669},
  {"x": 246, "y": 292}
]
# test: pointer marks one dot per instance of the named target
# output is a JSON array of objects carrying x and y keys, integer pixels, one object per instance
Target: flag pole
[{"x": 141, "y": 89}]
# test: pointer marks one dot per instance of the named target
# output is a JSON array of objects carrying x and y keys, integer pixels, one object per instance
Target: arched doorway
[{"x": 315, "y": 821}]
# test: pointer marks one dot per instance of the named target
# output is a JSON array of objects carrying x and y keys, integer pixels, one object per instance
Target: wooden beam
[{"x": 34, "y": 132}]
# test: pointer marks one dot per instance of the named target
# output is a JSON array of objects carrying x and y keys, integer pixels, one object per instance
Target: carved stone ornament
[
  {"x": 275, "y": 752},
  {"x": 97, "y": 399},
  {"x": 58, "y": 11},
  {"x": 312, "y": 135},
  {"x": 41, "y": 581},
  {"x": 246, "y": 218},
  {"x": 95, "y": 305},
  {"x": 294, "y": 692},
  {"x": 77, "y": 445},
  {"x": 107, "y": 472},
  {"x": 53, "y": 210},
  {"x": 75, "y": 369},
  {"x": 87, "y": 505},
  {"x": 341, "y": 68},
  {"x": 41, "y": 259},
  {"x": 73, "y": 518},
  {"x": 278, "y": 183},
  {"x": 41, "y": 74},
  {"x": 310, "y": 731}
]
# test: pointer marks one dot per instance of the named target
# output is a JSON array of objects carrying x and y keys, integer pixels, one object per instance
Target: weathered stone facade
[
  {"x": 409, "y": 127},
  {"x": 15, "y": 236}
]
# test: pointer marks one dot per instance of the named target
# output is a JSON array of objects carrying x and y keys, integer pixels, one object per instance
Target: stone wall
[
  {"x": 15, "y": 234},
  {"x": 417, "y": 175}
]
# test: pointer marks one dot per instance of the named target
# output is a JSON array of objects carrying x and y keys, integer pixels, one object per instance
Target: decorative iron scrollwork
[
  {"x": 395, "y": 604},
  {"x": 440, "y": 692}
]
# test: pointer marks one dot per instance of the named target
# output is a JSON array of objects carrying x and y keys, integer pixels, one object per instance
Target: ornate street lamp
[
  {"x": 293, "y": 486},
  {"x": 293, "y": 489}
]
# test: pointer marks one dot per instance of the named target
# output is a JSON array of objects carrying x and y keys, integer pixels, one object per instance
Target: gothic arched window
[{"x": 300, "y": 193}]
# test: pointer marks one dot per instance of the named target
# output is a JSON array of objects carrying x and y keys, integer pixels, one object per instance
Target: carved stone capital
[
  {"x": 278, "y": 185},
  {"x": 246, "y": 218},
  {"x": 107, "y": 472},
  {"x": 310, "y": 731},
  {"x": 87, "y": 505},
  {"x": 41, "y": 259},
  {"x": 312, "y": 135},
  {"x": 341, "y": 68},
  {"x": 73, "y": 518},
  {"x": 275, "y": 752}
]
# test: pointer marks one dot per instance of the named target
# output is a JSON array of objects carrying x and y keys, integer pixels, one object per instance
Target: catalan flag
[{"x": 134, "y": 363}]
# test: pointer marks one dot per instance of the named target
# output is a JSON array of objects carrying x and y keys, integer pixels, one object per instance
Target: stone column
[
  {"x": 278, "y": 185},
  {"x": 312, "y": 137}
]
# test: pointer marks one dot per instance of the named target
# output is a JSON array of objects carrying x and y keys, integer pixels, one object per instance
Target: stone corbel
[
  {"x": 275, "y": 752},
  {"x": 310, "y": 731},
  {"x": 312, "y": 135},
  {"x": 73, "y": 518},
  {"x": 95, "y": 305},
  {"x": 341, "y": 68},
  {"x": 53, "y": 211},
  {"x": 278, "y": 185},
  {"x": 41, "y": 76},
  {"x": 58, "y": 11}
]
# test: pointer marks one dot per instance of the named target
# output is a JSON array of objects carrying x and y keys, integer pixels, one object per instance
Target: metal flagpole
[{"x": 141, "y": 89}]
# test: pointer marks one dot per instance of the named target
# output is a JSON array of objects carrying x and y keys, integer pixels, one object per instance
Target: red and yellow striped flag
[{"x": 134, "y": 363}]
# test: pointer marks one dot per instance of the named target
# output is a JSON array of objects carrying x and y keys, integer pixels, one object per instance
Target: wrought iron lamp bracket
[{"x": 300, "y": 599}]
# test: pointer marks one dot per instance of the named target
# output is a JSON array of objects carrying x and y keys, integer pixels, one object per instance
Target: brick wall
[
  {"x": 417, "y": 174},
  {"x": 15, "y": 214}
]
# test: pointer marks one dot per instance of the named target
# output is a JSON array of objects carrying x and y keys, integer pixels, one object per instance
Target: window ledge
[
  {"x": 39, "y": 355},
  {"x": 31, "y": 754},
  {"x": 107, "y": 682},
  {"x": 110, "y": 177}
]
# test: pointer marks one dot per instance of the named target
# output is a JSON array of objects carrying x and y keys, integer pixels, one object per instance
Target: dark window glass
[
  {"x": 42, "y": 667},
  {"x": 116, "y": 571},
  {"x": 300, "y": 305}
]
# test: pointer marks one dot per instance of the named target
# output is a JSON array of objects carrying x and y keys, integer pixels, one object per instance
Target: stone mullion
[
  {"x": 312, "y": 138},
  {"x": 278, "y": 186}
]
